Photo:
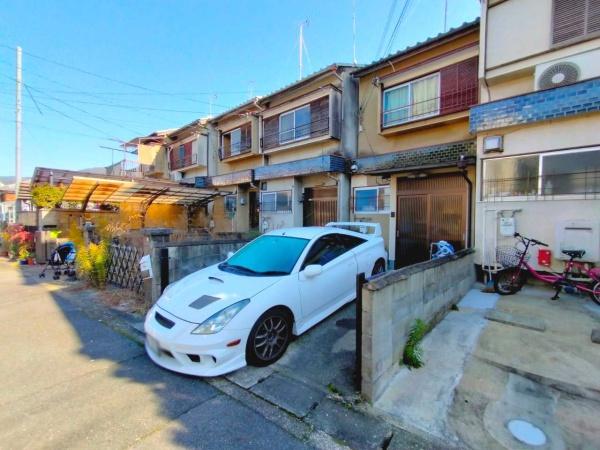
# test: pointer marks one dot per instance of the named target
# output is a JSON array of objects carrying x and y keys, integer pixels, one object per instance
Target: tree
[{"x": 47, "y": 196}]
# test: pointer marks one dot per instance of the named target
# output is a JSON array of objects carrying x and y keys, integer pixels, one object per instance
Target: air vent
[{"x": 559, "y": 74}]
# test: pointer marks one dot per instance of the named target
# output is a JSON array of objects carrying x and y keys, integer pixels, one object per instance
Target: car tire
[
  {"x": 378, "y": 268},
  {"x": 269, "y": 337}
]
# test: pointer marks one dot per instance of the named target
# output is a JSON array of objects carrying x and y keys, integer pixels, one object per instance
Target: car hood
[{"x": 203, "y": 293}]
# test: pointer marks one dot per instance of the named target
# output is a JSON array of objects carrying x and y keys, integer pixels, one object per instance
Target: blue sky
[{"x": 171, "y": 58}]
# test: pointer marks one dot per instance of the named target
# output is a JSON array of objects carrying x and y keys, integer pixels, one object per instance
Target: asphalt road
[{"x": 70, "y": 381}]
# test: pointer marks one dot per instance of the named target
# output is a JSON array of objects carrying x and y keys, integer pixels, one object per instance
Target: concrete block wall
[
  {"x": 393, "y": 302},
  {"x": 187, "y": 257}
]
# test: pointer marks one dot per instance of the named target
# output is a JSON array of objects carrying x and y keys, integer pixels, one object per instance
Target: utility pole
[
  {"x": 301, "y": 47},
  {"x": 18, "y": 121},
  {"x": 445, "y": 15},
  {"x": 354, "y": 61}
]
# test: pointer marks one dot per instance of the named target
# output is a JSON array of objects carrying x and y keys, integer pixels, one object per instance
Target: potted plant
[
  {"x": 23, "y": 254},
  {"x": 31, "y": 259}
]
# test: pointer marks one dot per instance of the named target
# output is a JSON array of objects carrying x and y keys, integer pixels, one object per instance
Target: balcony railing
[
  {"x": 130, "y": 169},
  {"x": 584, "y": 185},
  {"x": 316, "y": 128},
  {"x": 188, "y": 160},
  {"x": 446, "y": 103},
  {"x": 230, "y": 151}
]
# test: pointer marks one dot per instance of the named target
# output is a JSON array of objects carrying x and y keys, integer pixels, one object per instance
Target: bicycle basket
[{"x": 509, "y": 256}]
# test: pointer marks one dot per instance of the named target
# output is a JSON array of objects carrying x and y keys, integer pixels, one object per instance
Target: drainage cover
[{"x": 526, "y": 432}]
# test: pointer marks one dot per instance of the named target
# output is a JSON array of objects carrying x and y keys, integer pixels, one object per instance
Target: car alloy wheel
[{"x": 269, "y": 337}]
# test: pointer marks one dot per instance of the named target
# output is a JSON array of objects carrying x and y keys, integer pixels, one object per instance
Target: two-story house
[
  {"x": 537, "y": 127},
  {"x": 415, "y": 165},
  {"x": 187, "y": 151},
  {"x": 282, "y": 156}
]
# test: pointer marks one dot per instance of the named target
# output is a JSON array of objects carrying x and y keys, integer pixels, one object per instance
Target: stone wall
[{"x": 392, "y": 303}]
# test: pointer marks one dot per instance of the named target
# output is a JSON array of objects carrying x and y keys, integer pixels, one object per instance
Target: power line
[
  {"x": 388, "y": 22},
  {"x": 102, "y": 77}
]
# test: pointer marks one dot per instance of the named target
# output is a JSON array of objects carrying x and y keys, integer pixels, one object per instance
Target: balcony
[
  {"x": 314, "y": 129},
  {"x": 449, "y": 102},
  {"x": 190, "y": 159},
  {"x": 235, "y": 149},
  {"x": 130, "y": 169}
]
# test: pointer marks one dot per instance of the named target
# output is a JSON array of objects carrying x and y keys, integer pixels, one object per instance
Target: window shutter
[
  {"x": 575, "y": 19},
  {"x": 593, "y": 16},
  {"x": 270, "y": 132},
  {"x": 319, "y": 117},
  {"x": 458, "y": 86}
]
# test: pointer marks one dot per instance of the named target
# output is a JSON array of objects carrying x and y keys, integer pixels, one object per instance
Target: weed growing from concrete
[{"x": 413, "y": 353}]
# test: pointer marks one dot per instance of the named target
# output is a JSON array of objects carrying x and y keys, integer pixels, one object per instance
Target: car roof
[{"x": 310, "y": 232}]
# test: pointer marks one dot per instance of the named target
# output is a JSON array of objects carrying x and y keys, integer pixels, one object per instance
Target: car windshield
[{"x": 266, "y": 255}]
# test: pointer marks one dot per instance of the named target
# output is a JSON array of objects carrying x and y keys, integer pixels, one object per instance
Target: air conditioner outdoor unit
[{"x": 572, "y": 69}]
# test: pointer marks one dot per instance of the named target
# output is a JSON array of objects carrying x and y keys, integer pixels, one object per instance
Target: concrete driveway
[
  {"x": 500, "y": 359},
  {"x": 70, "y": 381}
]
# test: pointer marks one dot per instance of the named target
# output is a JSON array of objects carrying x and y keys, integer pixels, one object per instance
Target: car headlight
[{"x": 217, "y": 322}]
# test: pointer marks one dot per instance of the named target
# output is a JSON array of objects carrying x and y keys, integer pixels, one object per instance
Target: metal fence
[{"x": 124, "y": 268}]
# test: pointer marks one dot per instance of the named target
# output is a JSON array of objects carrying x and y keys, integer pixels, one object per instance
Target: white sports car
[{"x": 246, "y": 309}]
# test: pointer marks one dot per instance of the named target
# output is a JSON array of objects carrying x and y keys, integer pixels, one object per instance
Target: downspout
[{"x": 462, "y": 165}]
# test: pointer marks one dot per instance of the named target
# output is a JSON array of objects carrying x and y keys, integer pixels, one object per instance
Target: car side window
[{"x": 329, "y": 247}]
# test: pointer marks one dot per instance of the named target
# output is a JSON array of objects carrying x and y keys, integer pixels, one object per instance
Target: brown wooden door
[
  {"x": 253, "y": 209},
  {"x": 320, "y": 206},
  {"x": 429, "y": 210}
]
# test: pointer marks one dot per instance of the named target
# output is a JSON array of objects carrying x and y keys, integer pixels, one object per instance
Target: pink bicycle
[{"x": 515, "y": 262}]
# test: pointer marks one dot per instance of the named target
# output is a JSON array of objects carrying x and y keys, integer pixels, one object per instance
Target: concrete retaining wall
[{"x": 393, "y": 302}]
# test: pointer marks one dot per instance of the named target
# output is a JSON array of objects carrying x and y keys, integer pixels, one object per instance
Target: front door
[
  {"x": 320, "y": 206},
  {"x": 429, "y": 210}
]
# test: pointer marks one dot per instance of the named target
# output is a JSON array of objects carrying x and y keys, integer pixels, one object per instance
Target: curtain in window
[
  {"x": 425, "y": 97},
  {"x": 395, "y": 105},
  {"x": 302, "y": 122},
  {"x": 236, "y": 141},
  {"x": 286, "y": 127}
]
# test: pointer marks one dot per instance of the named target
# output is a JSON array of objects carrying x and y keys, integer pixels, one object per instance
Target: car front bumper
[{"x": 177, "y": 349}]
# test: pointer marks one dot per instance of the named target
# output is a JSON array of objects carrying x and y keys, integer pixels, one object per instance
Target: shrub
[
  {"x": 46, "y": 195},
  {"x": 92, "y": 262},
  {"x": 413, "y": 353}
]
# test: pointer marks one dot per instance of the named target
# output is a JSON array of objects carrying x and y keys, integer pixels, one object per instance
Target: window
[
  {"x": 414, "y": 100},
  {"x": 294, "y": 125},
  {"x": 329, "y": 247},
  {"x": 266, "y": 255},
  {"x": 571, "y": 172},
  {"x": 575, "y": 19},
  {"x": 230, "y": 203},
  {"x": 280, "y": 201},
  {"x": 371, "y": 200},
  {"x": 235, "y": 141}
]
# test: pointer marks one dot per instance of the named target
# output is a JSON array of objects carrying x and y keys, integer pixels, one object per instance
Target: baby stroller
[{"x": 62, "y": 260}]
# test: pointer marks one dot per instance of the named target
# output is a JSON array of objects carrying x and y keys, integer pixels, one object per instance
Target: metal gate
[
  {"x": 429, "y": 210},
  {"x": 123, "y": 267},
  {"x": 320, "y": 206}
]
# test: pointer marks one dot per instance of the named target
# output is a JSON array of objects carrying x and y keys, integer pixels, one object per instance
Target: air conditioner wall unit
[{"x": 569, "y": 70}]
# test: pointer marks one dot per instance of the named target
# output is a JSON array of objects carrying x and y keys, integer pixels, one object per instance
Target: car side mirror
[
  {"x": 313, "y": 270},
  {"x": 230, "y": 254}
]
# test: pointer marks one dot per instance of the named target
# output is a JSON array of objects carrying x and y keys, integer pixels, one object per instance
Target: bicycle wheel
[
  {"x": 595, "y": 294},
  {"x": 508, "y": 282}
]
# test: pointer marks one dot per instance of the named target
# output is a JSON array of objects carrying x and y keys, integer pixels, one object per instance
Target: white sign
[
  {"x": 507, "y": 226},
  {"x": 146, "y": 265}
]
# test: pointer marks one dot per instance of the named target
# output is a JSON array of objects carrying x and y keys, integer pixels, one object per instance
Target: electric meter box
[
  {"x": 507, "y": 226},
  {"x": 578, "y": 235}
]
